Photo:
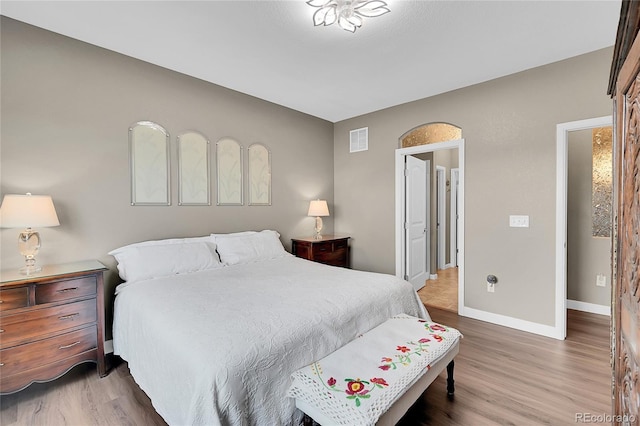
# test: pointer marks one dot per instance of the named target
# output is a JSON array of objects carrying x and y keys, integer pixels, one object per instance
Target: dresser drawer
[
  {"x": 13, "y": 298},
  {"x": 67, "y": 289},
  {"x": 36, "y": 323},
  {"x": 31, "y": 355}
]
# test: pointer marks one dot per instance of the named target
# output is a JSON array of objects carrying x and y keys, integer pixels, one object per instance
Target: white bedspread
[{"x": 219, "y": 346}]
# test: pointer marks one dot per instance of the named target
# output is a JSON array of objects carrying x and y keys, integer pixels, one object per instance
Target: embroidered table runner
[{"x": 360, "y": 381}]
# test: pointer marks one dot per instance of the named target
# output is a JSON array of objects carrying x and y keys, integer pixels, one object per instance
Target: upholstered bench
[{"x": 376, "y": 378}]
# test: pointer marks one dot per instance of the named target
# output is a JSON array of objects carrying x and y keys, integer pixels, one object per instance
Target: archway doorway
[{"x": 431, "y": 143}]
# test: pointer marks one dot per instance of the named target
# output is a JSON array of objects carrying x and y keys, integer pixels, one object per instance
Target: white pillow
[
  {"x": 235, "y": 249},
  {"x": 206, "y": 238},
  {"x": 233, "y": 234},
  {"x": 155, "y": 259}
]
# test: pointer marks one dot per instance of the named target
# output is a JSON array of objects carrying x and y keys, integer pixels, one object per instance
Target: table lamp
[
  {"x": 27, "y": 211},
  {"x": 318, "y": 208}
]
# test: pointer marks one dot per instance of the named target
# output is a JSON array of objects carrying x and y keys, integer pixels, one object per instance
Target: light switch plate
[
  {"x": 601, "y": 280},
  {"x": 516, "y": 221}
]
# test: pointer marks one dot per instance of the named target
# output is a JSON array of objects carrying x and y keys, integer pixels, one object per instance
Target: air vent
[{"x": 359, "y": 140}]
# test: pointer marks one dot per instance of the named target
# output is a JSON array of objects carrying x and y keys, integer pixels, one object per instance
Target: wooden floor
[
  {"x": 442, "y": 292},
  {"x": 503, "y": 377}
]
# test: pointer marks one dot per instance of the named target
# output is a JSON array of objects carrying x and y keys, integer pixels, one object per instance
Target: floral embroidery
[
  {"x": 432, "y": 327},
  {"x": 379, "y": 381},
  {"x": 416, "y": 348},
  {"x": 356, "y": 389}
]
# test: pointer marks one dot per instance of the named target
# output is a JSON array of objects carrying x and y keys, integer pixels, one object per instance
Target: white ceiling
[{"x": 271, "y": 50}]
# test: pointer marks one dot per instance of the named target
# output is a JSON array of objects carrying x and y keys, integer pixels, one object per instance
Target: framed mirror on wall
[
  {"x": 149, "y": 164},
  {"x": 259, "y": 175},
  {"x": 229, "y": 172},
  {"x": 193, "y": 170}
]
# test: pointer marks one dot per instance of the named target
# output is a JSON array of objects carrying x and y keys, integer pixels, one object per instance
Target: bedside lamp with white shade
[
  {"x": 318, "y": 208},
  {"x": 27, "y": 211}
]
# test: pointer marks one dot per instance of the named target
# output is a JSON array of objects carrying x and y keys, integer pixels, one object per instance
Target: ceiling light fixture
[{"x": 347, "y": 13}]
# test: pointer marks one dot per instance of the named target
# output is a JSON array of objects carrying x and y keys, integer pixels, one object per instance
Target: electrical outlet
[
  {"x": 491, "y": 288},
  {"x": 601, "y": 280}
]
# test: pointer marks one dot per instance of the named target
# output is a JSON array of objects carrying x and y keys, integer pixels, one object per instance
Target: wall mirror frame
[
  {"x": 229, "y": 170},
  {"x": 259, "y": 175},
  {"x": 194, "y": 171},
  {"x": 149, "y": 161}
]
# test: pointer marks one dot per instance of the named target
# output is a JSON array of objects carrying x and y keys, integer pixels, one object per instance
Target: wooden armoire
[{"x": 624, "y": 87}]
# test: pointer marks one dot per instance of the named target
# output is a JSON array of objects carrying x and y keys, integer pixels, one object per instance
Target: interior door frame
[
  {"x": 441, "y": 216},
  {"x": 562, "y": 167},
  {"x": 400, "y": 153},
  {"x": 453, "y": 224}
]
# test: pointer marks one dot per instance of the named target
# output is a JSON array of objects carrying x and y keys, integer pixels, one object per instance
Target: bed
[{"x": 216, "y": 344}]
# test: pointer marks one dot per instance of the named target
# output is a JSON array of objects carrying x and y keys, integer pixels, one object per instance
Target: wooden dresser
[
  {"x": 49, "y": 322},
  {"x": 331, "y": 249}
]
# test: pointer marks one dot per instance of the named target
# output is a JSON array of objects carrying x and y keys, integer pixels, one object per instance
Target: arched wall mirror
[
  {"x": 430, "y": 133},
  {"x": 229, "y": 172},
  {"x": 259, "y": 175},
  {"x": 193, "y": 170},
  {"x": 149, "y": 164}
]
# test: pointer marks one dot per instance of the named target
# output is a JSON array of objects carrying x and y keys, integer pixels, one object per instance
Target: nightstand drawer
[
  {"x": 334, "y": 258},
  {"x": 26, "y": 326},
  {"x": 322, "y": 247},
  {"x": 14, "y": 298},
  {"x": 63, "y": 290},
  {"x": 31, "y": 355}
]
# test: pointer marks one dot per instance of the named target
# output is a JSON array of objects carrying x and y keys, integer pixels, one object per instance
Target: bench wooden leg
[{"x": 450, "y": 382}]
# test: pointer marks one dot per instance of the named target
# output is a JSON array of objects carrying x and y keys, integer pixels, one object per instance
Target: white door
[{"x": 417, "y": 220}]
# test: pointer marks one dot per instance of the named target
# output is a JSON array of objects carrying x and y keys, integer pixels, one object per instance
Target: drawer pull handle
[
  {"x": 1, "y": 302},
  {"x": 69, "y": 346},
  {"x": 1, "y": 330},
  {"x": 64, "y": 290},
  {"x": 66, "y": 317},
  {"x": 1, "y": 364}
]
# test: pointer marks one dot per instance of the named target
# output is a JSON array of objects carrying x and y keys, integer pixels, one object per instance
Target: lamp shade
[
  {"x": 318, "y": 208},
  {"x": 27, "y": 211}
]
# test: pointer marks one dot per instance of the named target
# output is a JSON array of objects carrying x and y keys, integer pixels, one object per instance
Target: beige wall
[
  {"x": 587, "y": 255},
  {"x": 66, "y": 109},
  {"x": 509, "y": 127}
]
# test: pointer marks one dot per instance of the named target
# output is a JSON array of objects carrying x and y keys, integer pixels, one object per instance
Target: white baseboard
[
  {"x": 433, "y": 276},
  {"x": 448, "y": 265},
  {"x": 518, "y": 324},
  {"x": 108, "y": 347},
  {"x": 589, "y": 307}
]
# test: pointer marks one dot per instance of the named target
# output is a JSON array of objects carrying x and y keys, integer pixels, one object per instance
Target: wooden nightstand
[
  {"x": 331, "y": 249},
  {"x": 50, "y": 322}
]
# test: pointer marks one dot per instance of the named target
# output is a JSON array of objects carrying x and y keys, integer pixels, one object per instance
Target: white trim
[
  {"x": 399, "y": 190},
  {"x": 562, "y": 141},
  {"x": 433, "y": 276},
  {"x": 441, "y": 216},
  {"x": 448, "y": 265},
  {"x": 589, "y": 307},
  {"x": 518, "y": 324},
  {"x": 453, "y": 239}
]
